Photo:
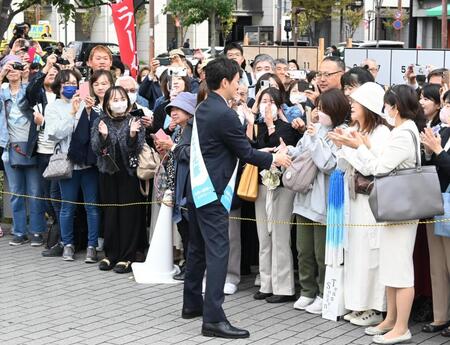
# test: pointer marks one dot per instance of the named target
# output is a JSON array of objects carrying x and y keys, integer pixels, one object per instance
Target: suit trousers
[
  {"x": 208, "y": 249},
  {"x": 276, "y": 265},
  {"x": 234, "y": 259},
  {"x": 439, "y": 248}
]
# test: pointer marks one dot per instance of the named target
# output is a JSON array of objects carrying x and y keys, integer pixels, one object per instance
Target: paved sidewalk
[{"x": 49, "y": 301}]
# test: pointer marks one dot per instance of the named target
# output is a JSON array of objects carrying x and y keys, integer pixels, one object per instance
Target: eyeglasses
[{"x": 326, "y": 75}]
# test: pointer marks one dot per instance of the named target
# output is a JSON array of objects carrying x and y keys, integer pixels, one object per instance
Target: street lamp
[
  {"x": 288, "y": 29},
  {"x": 370, "y": 17},
  {"x": 378, "y": 4}
]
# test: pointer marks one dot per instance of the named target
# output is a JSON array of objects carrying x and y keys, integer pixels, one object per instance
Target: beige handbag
[{"x": 248, "y": 184}]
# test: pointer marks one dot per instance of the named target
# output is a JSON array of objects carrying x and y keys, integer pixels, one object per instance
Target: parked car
[{"x": 370, "y": 44}]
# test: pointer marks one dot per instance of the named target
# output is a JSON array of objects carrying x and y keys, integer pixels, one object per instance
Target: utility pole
[
  {"x": 444, "y": 25},
  {"x": 151, "y": 21}
]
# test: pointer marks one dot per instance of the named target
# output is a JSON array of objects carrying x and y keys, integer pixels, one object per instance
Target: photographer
[
  {"x": 20, "y": 167},
  {"x": 38, "y": 95},
  {"x": 20, "y": 31}
]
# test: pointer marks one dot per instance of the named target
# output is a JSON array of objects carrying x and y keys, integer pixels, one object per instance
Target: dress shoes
[
  {"x": 430, "y": 328},
  {"x": 223, "y": 330},
  {"x": 187, "y": 313},
  {"x": 280, "y": 298},
  {"x": 261, "y": 295},
  {"x": 446, "y": 332},
  {"x": 380, "y": 339}
]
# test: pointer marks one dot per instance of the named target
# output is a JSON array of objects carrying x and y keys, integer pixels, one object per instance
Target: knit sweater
[{"x": 118, "y": 134}]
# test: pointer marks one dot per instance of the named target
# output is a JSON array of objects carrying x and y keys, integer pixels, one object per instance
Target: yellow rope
[{"x": 280, "y": 222}]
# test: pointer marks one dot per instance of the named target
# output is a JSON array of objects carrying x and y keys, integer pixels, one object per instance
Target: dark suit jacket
[
  {"x": 223, "y": 140},
  {"x": 442, "y": 160}
]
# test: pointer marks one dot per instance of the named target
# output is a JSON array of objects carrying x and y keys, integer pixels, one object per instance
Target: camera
[
  {"x": 18, "y": 66},
  {"x": 177, "y": 72},
  {"x": 61, "y": 61}
]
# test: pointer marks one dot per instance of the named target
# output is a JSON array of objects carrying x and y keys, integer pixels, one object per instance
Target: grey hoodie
[{"x": 313, "y": 205}]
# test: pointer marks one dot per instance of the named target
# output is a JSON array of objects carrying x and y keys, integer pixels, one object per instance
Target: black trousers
[
  {"x": 124, "y": 227},
  {"x": 183, "y": 230},
  {"x": 208, "y": 249}
]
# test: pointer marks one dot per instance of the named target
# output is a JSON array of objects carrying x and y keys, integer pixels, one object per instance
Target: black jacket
[
  {"x": 223, "y": 140},
  {"x": 442, "y": 160}
]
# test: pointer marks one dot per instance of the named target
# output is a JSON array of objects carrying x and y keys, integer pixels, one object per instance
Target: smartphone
[
  {"x": 297, "y": 74},
  {"x": 161, "y": 135},
  {"x": 420, "y": 70},
  {"x": 308, "y": 111},
  {"x": 137, "y": 112},
  {"x": 84, "y": 90},
  {"x": 265, "y": 84},
  {"x": 31, "y": 53}
]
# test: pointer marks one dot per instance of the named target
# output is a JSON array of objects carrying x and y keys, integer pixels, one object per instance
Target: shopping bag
[{"x": 333, "y": 293}]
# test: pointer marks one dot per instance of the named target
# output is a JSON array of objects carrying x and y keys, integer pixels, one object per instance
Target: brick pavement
[{"x": 48, "y": 301}]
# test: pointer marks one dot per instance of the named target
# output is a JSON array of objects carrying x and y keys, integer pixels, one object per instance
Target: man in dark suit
[{"x": 222, "y": 140}]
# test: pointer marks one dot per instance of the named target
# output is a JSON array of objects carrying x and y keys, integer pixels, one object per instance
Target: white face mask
[
  {"x": 297, "y": 98},
  {"x": 389, "y": 119},
  {"x": 132, "y": 96},
  {"x": 262, "y": 110},
  {"x": 324, "y": 119},
  {"x": 259, "y": 75},
  {"x": 119, "y": 107}
]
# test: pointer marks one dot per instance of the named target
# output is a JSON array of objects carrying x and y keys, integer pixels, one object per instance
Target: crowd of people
[{"x": 337, "y": 118}]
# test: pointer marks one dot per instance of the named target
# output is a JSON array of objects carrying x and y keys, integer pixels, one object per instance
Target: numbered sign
[
  {"x": 432, "y": 58},
  {"x": 400, "y": 60},
  {"x": 383, "y": 59},
  {"x": 354, "y": 56}
]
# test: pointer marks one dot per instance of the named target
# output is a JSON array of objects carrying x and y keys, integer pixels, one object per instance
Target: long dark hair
[
  {"x": 267, "y": 76},
  {"x": 404, "y": 98},
  {"x": 432, "y": 92}
]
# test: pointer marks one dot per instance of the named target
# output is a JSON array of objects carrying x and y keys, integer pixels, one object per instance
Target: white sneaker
[
  {"x": 230, "y": 289},
  {"x": 352, "y": 315},
  {"x": 100, "y": 244},
  {"x": 315, "y": 307},
  {"x": 368, "y": 318},
  {"x": 303, "y": 302},
  {"x": 258, "y": 280}
]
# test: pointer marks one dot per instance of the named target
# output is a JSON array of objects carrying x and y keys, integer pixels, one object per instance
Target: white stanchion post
[{"x": 158, "y": 267}]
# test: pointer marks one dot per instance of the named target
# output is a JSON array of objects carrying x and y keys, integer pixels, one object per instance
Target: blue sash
[{"x": 203, "y": 191}]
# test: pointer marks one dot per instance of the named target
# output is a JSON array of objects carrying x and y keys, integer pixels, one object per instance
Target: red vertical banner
[{"x": 123, "y": 17}]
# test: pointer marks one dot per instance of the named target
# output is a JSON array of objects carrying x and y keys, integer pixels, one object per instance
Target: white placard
[
  {"x": 447, "y": 59},
  {"x": 354, "y": 56},
  {"x": 435, "y": 58},
  {"x": 383, "y": 59},
  {"x": 400, "y": 60}
]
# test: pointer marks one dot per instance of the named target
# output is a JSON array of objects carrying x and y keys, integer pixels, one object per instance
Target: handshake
[{"x": 280, "y": 156}]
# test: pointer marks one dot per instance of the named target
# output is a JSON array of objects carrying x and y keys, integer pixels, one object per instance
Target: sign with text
[
  {"x": 123, "y": 17},
  {"x": 394, "y": 62}
]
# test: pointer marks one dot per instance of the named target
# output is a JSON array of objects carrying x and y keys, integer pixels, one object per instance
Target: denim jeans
[
  {"x": 50, "y": 189},
  {"x": 26, "y": 180},
  {"x": 87, "y": 179}
]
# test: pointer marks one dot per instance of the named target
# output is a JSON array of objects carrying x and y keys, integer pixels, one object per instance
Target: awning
[{"x": 436, "y": 11}]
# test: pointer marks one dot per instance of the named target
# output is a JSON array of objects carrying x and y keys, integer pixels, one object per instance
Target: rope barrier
[{"x": 271, "y": 221}]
